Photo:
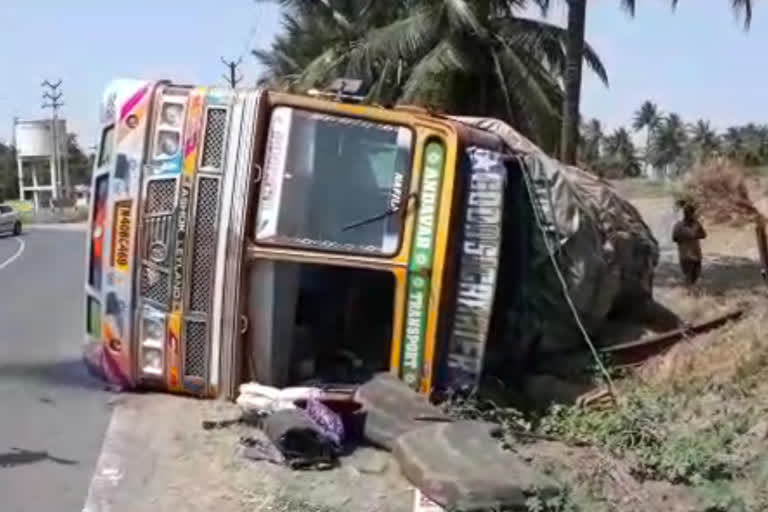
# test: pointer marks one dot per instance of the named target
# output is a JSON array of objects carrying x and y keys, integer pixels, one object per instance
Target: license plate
[{"x": 121, "y": 247}]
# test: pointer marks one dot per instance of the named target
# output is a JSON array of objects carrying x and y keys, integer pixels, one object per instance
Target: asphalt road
[{"x": 53, "y": 415}]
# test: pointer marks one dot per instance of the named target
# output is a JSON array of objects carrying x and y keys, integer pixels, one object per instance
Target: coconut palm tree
[
  {"x": 733, "y": 144},
  {"x": 703, "y": 141},
  {"x": 477, "y": 57},
  {"x": 620, "y": 156},
  {"x": 740, "y": 7},
  {"x": 754, "y": 144},
  {"x": 577, "y": 13},
  {"x": 669, "y": 144},
  {"x": 315, "y": 37},
  {"x": 591, "y": 142},
  {"x": 647, "y": 117}
]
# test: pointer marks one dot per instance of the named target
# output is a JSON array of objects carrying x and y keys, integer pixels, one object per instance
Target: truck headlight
[
  {"x": 152, "y": 361},
  {"x": 152, "y": 328},
  {"x": 168, "y": 143},
  {"x": 171, "y": 114}
]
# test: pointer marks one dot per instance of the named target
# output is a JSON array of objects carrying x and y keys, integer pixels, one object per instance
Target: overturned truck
[{"x": 254, "y": 235}]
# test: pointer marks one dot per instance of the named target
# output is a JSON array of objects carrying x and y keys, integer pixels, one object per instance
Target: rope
[{"x": 561, "y": 278}]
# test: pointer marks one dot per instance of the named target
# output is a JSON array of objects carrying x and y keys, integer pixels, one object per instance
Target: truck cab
[{"x": 250, "y": 234}]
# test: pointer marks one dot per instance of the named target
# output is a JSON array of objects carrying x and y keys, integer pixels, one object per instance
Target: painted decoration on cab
[
  {"x": 478, "y": 267},
  {"x": 420, "y": 266}
]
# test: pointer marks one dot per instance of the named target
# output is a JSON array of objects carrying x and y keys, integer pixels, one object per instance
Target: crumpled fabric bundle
[
  {"x": 302, "y": 443},
  {"x": 258, "y": 397},
  {"x": 328, "y": 421}
]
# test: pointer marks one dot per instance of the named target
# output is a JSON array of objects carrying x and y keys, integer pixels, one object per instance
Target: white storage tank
[{"x": 35, "y": 138}]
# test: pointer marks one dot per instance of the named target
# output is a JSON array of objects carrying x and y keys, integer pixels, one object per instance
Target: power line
[
  {"x": 52, "y": 99},
  {"x": 233, "y": 77}
]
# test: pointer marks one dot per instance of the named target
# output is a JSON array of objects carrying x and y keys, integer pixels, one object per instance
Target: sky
[{"x": 697, "y": 61}]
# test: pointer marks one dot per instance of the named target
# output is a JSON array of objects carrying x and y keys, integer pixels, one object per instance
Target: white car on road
[{"x": 10, "y": 223}]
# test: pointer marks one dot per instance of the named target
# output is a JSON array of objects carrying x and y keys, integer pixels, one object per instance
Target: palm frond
[
  {"x": 739, "y": 7},
  {"x": 462, "y": 13},
  {"x": 443, "y": 59},
  {"x": 551, "y": 41},
  {"x": 629, "y": 6},
  {"x": 405, "y": 38},
  {"x": 502, "y": 79},
  {"x": 745, "y": 7},
  {"x": 530, "y": 78}
]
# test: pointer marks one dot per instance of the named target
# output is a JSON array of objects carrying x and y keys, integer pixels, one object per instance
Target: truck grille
[
  {"x": 157, "y": 229},
  {"x": 204, "y": 244},
  {"x": 157, "y": 239},
  {"x": 155, "y": 285},
  {"x": 195, "y": 352},
  {"x": 161, "y": 196},
  {"x": 215, "y": 130}
]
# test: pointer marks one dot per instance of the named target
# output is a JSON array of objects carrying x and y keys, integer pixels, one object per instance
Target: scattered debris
[
  {"x": 636, "y": 352},
  {"x": 374, "y": 462},
  {"x": 300, "y": 440},
  {"x": 461, "y": 466},
  {"x": 600, "y": 398},
  {"x": 19, "y": 457},
  {"x": 392, "y": 409},
  {"x": 422, "y": 503},
  {"x": 255, "y": 396}
]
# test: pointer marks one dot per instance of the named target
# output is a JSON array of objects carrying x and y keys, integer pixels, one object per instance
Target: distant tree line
[
  {"x": 672, "y": 146},
  {"x": 80, "y": 167}
]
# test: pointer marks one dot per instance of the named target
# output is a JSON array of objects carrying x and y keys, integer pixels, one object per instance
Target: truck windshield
[{"x": 333, "y": 183}]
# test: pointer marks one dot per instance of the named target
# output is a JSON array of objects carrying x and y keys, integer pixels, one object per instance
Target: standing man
[{"x": 687, "y": 234}]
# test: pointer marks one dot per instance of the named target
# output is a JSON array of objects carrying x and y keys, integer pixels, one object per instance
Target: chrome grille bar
[
  {"x": 204, "y": 244},
  {"x": 155, "y": 285},
  {"x": 201, "y": 271},
  {"x": 196, "y": 349},
  {"x": 215, "y": 133},
  {"x": 161, "y": 196}
]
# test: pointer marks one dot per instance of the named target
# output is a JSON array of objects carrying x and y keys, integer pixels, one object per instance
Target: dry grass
[
  {"x": 721, "y": 193},
  {"x": 731, "y": 355},
  {"x": 632, "y": 188},
  {"x": 730, "y": 280},
  {"x": 695, "y": 415}
]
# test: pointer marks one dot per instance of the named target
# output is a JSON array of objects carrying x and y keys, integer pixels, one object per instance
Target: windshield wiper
[
  {"x": 381, "y": 216},
  {"x": 372, "y": 219}
]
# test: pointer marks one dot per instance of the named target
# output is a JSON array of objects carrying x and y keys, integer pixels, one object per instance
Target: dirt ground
[
  {"x": 169, "y": 462},
  {"x": 691, "y": 429}
]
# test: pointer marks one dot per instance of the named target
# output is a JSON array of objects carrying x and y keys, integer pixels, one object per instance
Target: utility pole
[
  {"x": 51, "y": 99},
  {"x": 233, "y": 77}
]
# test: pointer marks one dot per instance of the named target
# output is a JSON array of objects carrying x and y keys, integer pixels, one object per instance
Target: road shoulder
[{"x": 156, "y": 456}]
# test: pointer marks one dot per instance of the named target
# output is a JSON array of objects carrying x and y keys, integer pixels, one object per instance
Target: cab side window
[{"x": 107, "y": 145}]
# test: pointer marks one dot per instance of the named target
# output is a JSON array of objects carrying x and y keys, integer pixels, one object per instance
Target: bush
[
  {"x": 639, "y": 431},
  {"x": 50, "y": 216}
]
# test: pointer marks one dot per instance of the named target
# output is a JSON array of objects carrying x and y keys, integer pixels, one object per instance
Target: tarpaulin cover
[{"x": 605, "y": 250}]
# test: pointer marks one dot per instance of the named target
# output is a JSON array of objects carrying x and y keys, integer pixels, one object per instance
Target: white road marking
[
  {"x": 15, "y": 255},
  {"x": 109, "y": 472}
]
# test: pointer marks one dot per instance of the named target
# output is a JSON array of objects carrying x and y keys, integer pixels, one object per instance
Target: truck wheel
[{"x": 17, "y": 228}]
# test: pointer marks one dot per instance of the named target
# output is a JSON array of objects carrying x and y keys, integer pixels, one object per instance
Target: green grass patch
[
  {"x": 48, "y": 216},
  {"x": 649, "y": 431}
]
